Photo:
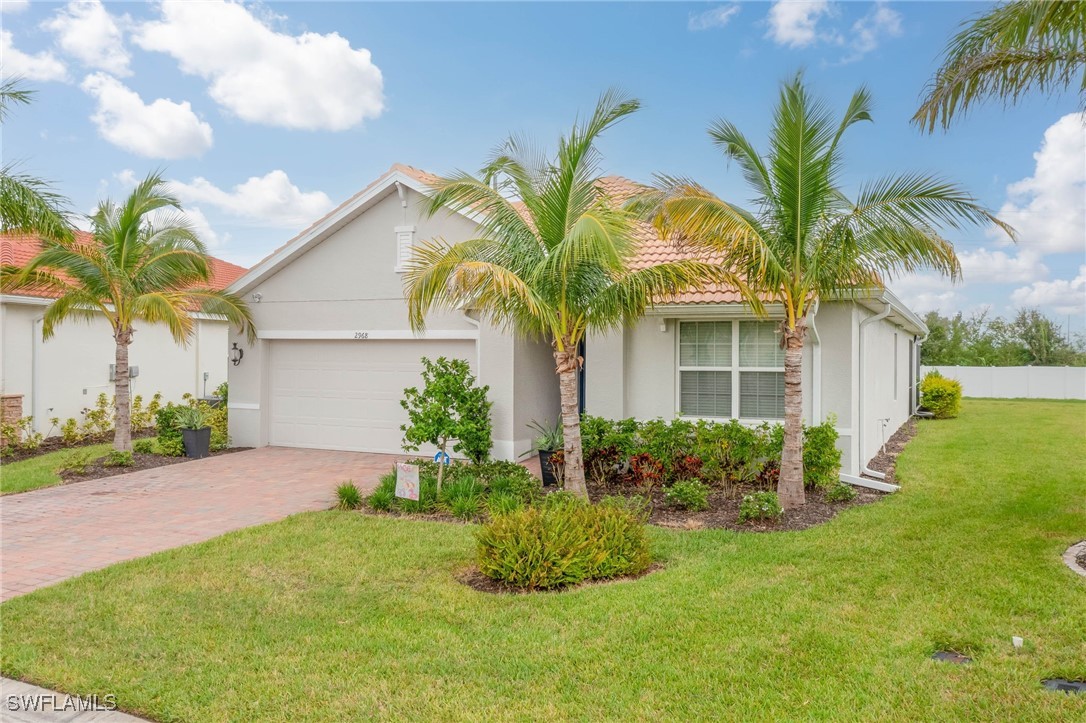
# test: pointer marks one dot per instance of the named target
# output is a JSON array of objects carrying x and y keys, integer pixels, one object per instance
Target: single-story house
[
  {"x": 335, "y": 349},
  {"x": 63, "y": 376}
]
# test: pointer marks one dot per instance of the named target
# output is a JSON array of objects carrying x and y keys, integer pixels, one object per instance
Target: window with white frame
[{"x": 731, "y": 369}]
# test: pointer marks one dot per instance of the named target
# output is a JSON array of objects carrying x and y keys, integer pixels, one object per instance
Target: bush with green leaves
[
  {"x": 116, "y": 458},
  {"x": 76, "y": 462},
  {"x": 144, "y": 445},
  {"x": 348, "y": 497},
  {"x": 940, "y": 396},
  {"x": 70, "y": 433},
  {"x": 462, "y": 498},
  {"x": 690, "y": 494},
  {"x": 20, "y": 435},
  {"x": 383, "y": 498},
  {"x": 841, "y": 492},
  {"x": 98, "y": 420},
  {"x": 563, "y": 541},
  {"x": 170, "y": 442},
  {"x": 760, "y": 506},
  {"x": 448, "y": 408}
]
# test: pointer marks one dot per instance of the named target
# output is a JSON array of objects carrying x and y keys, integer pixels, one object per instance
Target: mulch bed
[
  {"x": 886, "y": 460},
  {"x": 478, "y": 581},
  {"x": 56, "y": 444},
  {"x": 96, "y": 470}
]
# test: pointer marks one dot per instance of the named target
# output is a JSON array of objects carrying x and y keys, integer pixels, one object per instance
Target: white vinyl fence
[{"x": 1017, "y": 382}]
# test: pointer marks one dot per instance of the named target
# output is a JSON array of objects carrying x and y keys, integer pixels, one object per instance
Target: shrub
[
  {"x": 99, "y": 420},
  {"x": 840, "y": 492},
  {"x": 20, "y": 435},
  {"x": 449, "y": 407},
  {"x": 145, "y": 445},
  {"x": 524, "y": 487},
  {"x": 688, "y": 494},
  {"x": 117, "y": 458},
  {"x": 731, "y": 452},
  {"x": 686, "y": 467},
  {"x": 760, "y": 506},
  {"x": 647, "y": 471},
  {"x": 502, "y": 503},
  {"x": 70, "y": 433},
  {"x": 384, "y": 497},
  {"x": 667, "y": 441},
  {"x": 821, "y": 458},
  {"x": 348, "y": 495},
  {"x": 940, "y": 396},
  {"x": 76, "y": 462},
  {"x": 427, "y": 501},
  {"x": 563, "y": 541},
  {"x": 170, "y": 442},
  {"x": 462, "y": 497}
]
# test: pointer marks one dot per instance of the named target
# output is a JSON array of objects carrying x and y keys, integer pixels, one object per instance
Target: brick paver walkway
[{"x": 55, "y": 533}]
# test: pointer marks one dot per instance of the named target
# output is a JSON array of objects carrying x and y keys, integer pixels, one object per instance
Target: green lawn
[
  {"x": 336, "y": 616},
  {"x": 30, "y": 474}
]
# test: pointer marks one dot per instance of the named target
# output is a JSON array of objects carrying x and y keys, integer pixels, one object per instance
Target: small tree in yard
[{"x": 449, "y": 407}]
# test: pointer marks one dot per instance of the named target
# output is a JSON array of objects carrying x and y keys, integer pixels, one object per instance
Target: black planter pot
[
  {"x": 197, "y": 442},
  {"x": 545, "y": 469}
]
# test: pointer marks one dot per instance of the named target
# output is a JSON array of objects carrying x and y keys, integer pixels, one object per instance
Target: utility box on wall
[{"x": 133, "y": 372}]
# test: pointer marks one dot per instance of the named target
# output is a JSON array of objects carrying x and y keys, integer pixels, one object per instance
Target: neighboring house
[
  {"x": 63, "y": 376},
  {"x": 335, "y": 349}
]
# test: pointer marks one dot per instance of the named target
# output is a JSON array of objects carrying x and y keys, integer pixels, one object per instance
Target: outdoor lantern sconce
[{"x": 236, "y": 354}]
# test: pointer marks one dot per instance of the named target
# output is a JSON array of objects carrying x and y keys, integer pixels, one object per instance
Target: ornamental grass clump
[{"x": 564, "y": 541}]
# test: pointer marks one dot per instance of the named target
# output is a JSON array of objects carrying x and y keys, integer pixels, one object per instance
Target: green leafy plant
[
  {"x": 191, "y": 418},
  {"x": 465, "y": 508},
  {"x": 688, "y": 494},
  {"x": 521, "y": 485},
  {"x": 115, "y": 458},
  {"x": 144, "y": 445},
  {"x": 548, "y": 439},
  {"x": 646, "y": 471},
  {"x": 940, "y": 396},
  {"x": 563, "y": 541},
  {"x": 348, "y": 496},
  {"x": 821, "y": 457},
  {"x": 763, "y": 505},
  {"x": 76, "y": 462},
  {"x": 840, "y": 492},
  {"x": 70, "y": 433},
  {"x": 462, "y": 497},
  {"x": 170, "y": 442},
  {"x": 98, "y": 420},
  {"x": 449, "y": 407},
  {"x": 503, "y": 503},
  {"x": 384, "y": 497},
  {"x": 20, "y": 435}
]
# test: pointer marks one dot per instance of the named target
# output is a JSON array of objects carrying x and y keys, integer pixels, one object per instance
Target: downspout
[
  {"x": 914, "y": 400},
  {"x": 860, "y": 414},
  {"x": 816, "y": 366},
  {"x": 35, "y": 346}
]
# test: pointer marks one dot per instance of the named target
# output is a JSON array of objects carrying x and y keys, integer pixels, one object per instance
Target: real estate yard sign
[{"x": 407, "y": 481}]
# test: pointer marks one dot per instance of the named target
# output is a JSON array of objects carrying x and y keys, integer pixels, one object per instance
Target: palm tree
[
  {"x": 552, "y": 265},
  {"x": 143, "y": 262},
  {"x": 803, "y": 239},
  {"x": 1005, "y": 52},
  {"x": 27, "y": 203}
]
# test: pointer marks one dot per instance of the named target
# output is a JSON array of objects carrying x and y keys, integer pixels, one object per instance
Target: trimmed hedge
[{"x": 941, "y": 396}]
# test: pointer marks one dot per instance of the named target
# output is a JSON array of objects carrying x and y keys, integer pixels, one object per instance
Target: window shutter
[{"x": 405, "y": 240}]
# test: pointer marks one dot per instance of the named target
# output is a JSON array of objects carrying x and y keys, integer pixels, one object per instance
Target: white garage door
[{"x": 346, "y": 394}]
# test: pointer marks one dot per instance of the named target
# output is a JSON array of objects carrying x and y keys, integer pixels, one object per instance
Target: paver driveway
[{"x": 52, "y": 534}]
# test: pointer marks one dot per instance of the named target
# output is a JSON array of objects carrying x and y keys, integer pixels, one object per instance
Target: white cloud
[
  {"x": 309, "y": 81},
  {"x": 983, "y": 265},
  {"x": 1049, "y": 208},
  {"x": 867, "y": 32},
  {"x": 163, "y": 129},
  {"x": 41, "y": 66},
  {"x": 88, "y": 33},
  {"x": 795, "y": 24},
  {"x": 202, "y": 226},
  {"x": 1064, "y": 296},
  {"x": 269, "y": 200},
  {"x": 716, "y": 17},
  {"x": 13, "y": 6},
  {"x": 928, "y": 292}
]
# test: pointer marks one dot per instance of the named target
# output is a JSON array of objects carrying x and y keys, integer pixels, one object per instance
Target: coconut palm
[
  {"x": 1007, "y": 51},
  {"x": 803, "y": 239},
  {"x": 27, "y": 203},
  {"x": 143, "y": 262},
  {"x": 553, "y": 264}
]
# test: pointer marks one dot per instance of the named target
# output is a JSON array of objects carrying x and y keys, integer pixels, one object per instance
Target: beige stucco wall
[
  {"x": 885, "y": 394},
  {"x": 73, "y": 366},
  {"x": 349, "y": 281}
]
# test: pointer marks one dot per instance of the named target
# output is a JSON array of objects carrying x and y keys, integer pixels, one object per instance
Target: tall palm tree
[
  {"x": 803, "y": 239},
  {"x": 1009, "y": 50},
  {"x": 27, "y": 203},
  {"x": 144, "y": 262},
  {"x": 553, "y": 264}
]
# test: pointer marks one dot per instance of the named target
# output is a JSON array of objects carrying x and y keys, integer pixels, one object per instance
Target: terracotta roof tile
[{"x": 17, "y": 249}]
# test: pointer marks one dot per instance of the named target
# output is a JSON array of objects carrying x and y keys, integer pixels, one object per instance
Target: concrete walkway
[
  {"x": 25, "y": 703},
  {"x": 52, "y": 534}
]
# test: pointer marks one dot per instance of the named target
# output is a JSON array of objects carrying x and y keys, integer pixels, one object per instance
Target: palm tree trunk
[
  {"x": 567, "y": 365},
  {"x": 790, "y": 484},
  {"x": 122, "y": 433}
]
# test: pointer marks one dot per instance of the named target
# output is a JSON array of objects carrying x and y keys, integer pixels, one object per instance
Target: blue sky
[{"x": 266, "y": 115}]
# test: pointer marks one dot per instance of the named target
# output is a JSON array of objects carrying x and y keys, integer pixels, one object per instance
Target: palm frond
[
  {"x": 225, "y": 304},
  {"x": 73, "y": 304},
  {"x": 1015, "y": 48},
  {"x": 30, "y": 205}
]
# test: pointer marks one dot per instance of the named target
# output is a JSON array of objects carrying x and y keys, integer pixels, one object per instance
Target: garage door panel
[{"x": 346, "y": 394}]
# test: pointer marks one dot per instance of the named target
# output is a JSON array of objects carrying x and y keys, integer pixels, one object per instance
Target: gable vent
[{"x": 405, "y": 240}]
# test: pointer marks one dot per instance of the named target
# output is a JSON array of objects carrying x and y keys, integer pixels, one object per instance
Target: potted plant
[
  {"x": 549, "y": 441},
  {"x": 195, "y": 431}
]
